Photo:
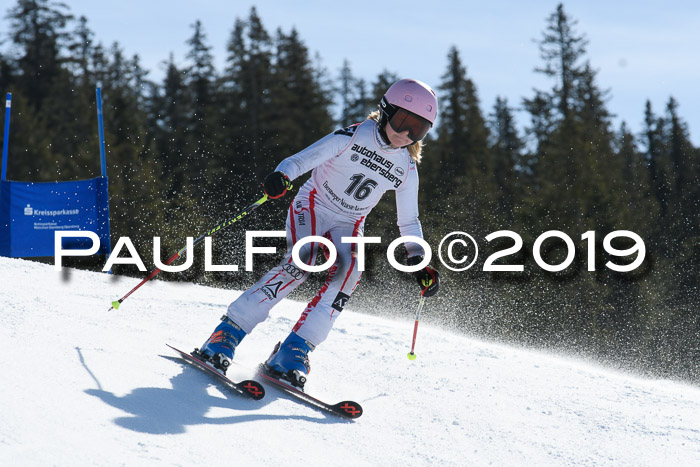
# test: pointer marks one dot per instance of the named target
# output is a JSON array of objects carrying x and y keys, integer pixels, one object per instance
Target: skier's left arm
[{"x": 407, "y": 219}]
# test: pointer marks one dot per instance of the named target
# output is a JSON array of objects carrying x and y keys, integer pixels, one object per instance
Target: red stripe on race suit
[
  {"x": 353, "y": 252},
  {"x": 312, "y": 304},
  {"x": 285, "y": 285},
  {"x": 274, "y": 277},
  {"x": 292, "y": 226}
]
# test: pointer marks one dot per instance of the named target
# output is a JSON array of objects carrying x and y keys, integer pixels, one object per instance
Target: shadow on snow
[{"x": 171, "y": 410}]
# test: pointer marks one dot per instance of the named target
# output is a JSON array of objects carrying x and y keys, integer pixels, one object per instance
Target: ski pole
[
  {"x": 154, "y": 273},
  {"x": 411, "y": 354}
]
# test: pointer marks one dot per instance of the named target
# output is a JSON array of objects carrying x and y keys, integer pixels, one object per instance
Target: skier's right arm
[
  {"x": 314, "y": 155},
  {"x": 277, "y": 182}
]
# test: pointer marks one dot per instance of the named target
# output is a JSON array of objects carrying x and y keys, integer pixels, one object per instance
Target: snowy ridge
[{"x": 83, "y": 386}]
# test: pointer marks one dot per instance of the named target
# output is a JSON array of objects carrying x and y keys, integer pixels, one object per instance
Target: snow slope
[{"x": 83, "y": 386}]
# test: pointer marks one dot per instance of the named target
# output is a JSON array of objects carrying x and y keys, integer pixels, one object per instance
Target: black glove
[
  {"x": 428, "y": 278},
  {"x": 276, "y": 185}
]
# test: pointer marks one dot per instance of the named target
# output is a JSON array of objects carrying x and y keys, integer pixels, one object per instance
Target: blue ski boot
[
  {"x": 290, "y": 360},
  {"x": 219, "y": 348}
]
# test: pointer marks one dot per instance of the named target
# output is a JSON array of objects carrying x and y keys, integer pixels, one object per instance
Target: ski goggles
[{"x": 403, "y": 120}]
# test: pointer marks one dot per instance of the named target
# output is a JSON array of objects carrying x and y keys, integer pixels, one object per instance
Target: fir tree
[
  {"x": 561, "y": 49},
  {"x": 248, "y": 79},
  {"x": 173, "y": 124},
  {"x": 299, "y": 104},
  {"x": 353, "y": 97},
  {"x": 383, "y": 82},
  {"x": 506, "y": 147},
  {"x": 198, "y": 79},
  {"x": 655, "y": 149},
  {"x": 461, "y": 150},
  {"x": 38, "y": 29}
]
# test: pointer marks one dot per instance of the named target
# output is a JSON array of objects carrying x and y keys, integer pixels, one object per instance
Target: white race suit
[{"x": 352, "y": 169}]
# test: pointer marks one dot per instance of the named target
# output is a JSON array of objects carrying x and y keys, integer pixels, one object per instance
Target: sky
[{"x": 641, "y": 49}]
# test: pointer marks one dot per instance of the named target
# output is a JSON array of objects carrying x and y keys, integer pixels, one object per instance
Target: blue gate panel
[{"x": 30, "y": 213}]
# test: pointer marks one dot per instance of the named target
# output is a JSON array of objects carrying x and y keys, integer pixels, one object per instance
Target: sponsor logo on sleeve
[
  {"x": 271, "y": 290},
  {"x": 340, "y": 301},
  {"x": 293, "y": 271}
]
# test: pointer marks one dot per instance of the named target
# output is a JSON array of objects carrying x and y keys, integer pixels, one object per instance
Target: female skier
[{"x": 352, "y": 169}]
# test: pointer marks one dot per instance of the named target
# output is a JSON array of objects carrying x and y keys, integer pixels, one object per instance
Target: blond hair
[{"x": 414, "y": 149}]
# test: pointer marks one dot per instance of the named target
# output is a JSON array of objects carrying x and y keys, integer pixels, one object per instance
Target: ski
[
  {"x": 246, "y": 388},
  {"x": 346, "y": 409}
]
